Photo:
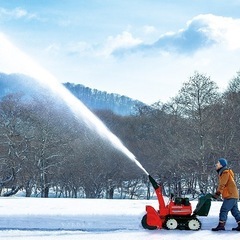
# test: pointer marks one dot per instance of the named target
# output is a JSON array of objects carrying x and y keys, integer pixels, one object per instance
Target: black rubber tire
[{"x": 145, "y": 225}]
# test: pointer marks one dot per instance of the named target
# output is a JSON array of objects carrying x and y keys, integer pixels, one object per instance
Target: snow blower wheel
[
  {"x": 194, "y": 224},
  {"x": 171, "y": 224}
]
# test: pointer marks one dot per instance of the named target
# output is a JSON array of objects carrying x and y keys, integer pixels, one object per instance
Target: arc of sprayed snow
[{"x": 13, "y": 60}]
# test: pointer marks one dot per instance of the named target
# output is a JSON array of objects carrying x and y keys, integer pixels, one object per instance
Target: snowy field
[{"x": 90, "y": 219}]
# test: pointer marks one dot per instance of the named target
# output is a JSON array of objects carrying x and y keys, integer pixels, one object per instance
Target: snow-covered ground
[{"x": 90, "y": 219}]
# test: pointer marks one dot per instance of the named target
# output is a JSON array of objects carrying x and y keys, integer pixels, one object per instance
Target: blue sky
[{"x": 144, "y": 49}]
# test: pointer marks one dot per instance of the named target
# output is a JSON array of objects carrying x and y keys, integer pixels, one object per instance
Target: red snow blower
[{"x": 177, "y": 214}]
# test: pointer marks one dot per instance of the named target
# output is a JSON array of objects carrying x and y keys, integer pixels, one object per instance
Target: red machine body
[{"x": 176, "y": 214}]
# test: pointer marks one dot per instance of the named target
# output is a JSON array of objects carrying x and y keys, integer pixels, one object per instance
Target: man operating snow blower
[{"x": 228, "y": 189}]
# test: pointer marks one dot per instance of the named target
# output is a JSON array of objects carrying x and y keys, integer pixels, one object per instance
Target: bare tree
[
  {"x": 231, "y": 111},
  {"x": 14, "y": 143},
  {"x": 194, "y": 98}
]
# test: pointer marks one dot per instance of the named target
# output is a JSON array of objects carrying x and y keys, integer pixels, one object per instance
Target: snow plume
[{"x": 13, "y": 60}]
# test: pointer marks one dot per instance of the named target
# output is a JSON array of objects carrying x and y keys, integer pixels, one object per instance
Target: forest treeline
[
  {"x": 101, "y": 100},
  {"x": 45, "y": 150}
]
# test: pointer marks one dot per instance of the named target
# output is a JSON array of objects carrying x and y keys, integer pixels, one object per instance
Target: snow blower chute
[{"x": 177, "y": 214}]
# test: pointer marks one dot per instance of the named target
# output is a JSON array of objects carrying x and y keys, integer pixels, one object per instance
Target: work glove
[{"x": 216, "y": 195}]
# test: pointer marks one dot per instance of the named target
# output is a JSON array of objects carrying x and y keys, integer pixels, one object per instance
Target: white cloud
[
  {"x": 149, "y": 29},
  {"x": 224, "y": 30},
  {"x": 203, "y": 31},
  {"x": 19, "y": 13},
  {"x": 15, "y": 13},
  {"x": 81, "y": 48},
  {"x": 124, "y": 40}
]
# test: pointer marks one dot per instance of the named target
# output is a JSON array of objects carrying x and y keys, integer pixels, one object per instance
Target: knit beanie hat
[{"x": 223, "y": 162}]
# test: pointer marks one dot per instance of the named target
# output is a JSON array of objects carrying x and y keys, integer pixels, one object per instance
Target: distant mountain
[
  {"x": 92, "y": 98},
  {"x": 101, "y": 100}
]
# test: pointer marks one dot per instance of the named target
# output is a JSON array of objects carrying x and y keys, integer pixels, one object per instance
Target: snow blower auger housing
[{"x": 177, "y": 214}]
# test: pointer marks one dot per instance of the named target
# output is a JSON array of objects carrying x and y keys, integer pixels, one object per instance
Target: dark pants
[{"x": 229, "y": 205}]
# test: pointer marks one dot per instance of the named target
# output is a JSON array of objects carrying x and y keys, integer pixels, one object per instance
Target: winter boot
[
  {"x": 220, "y": 226},
  {"x": 237, "y": 228}
]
